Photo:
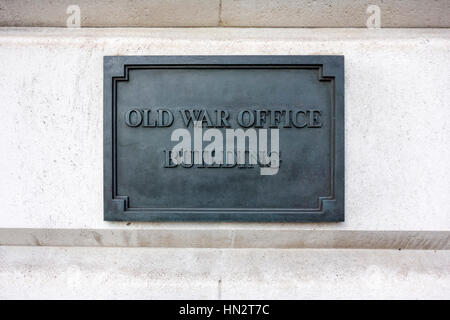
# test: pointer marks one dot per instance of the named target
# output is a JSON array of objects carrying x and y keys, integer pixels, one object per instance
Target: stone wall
[{"x": 55, "y": 244}]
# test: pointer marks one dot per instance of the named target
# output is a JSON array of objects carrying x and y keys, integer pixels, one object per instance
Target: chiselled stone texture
[{"x": 226, "y": 13}]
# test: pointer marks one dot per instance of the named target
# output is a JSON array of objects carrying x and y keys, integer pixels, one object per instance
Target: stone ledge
[
  {"x": 218, "y": 238},
  {"x": 146, "y": 273},
  {"x": 226, "y": 13}
]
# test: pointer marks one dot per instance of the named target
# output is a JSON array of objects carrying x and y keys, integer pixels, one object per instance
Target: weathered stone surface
[
  {"x": 104, "y": 13},
  {"x": 142, "y": 273},
  {"x": 227, "y": 238},
  {"x": 328, "y": 13},
  {"x": 228, "y": 13},
  {"x": 397, "y": 121}
]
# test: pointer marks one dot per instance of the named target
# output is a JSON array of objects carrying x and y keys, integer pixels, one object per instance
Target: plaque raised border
[{"x": 329, "y": 207}]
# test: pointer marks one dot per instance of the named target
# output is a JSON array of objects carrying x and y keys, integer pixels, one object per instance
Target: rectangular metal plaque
[{"x": 224, "y": 138}]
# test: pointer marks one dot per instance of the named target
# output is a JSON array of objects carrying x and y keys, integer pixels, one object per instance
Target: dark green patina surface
[{"x": 147, "y": 97}]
